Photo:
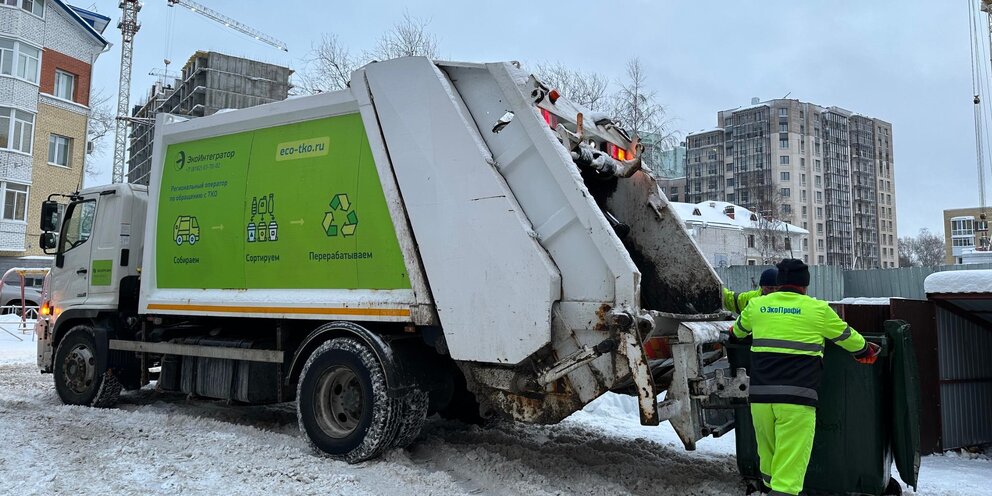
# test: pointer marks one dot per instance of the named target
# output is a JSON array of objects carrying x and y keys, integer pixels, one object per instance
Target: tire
[
  {"x": 412, "y": 417},
  {"x": 341, "y": 402},
  {"x": 77, "y": 380}
]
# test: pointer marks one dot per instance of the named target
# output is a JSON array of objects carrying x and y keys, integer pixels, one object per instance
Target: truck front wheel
[
  {"x": 78, "y": 381},
  {"x": 342, "y": 405}
]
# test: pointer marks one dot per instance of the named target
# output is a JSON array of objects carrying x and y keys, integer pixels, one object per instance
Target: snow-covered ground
[{"x": 163, "y": 444}]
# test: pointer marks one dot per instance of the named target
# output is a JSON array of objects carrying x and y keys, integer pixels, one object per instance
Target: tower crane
[
  {"x": 983, "y": 242},
  {"x": 129, "y": 27}
]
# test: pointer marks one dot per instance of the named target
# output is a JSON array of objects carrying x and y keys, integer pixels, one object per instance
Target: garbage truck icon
[{"x": 186, "y": 228}]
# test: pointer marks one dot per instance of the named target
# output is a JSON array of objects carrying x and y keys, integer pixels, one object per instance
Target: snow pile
[
  {"x": 862, "y": 301},
  {"x": 959, "y": 281},
  {"x": 159, "y": 444}
]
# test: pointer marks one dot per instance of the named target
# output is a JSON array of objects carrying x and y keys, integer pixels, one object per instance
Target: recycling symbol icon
[{"x": 341, "y": 218}]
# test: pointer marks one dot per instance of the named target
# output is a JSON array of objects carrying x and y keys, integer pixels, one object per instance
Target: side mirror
[
  {"x": 49, "y": 216},
  {"x": 48, "y": 242}
]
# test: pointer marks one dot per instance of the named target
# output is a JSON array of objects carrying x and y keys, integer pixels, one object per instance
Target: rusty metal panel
[
  {"x": 922, "y": 319},
  {"x": 964, "y": 348},
  {"x": 866, "y": 319}
]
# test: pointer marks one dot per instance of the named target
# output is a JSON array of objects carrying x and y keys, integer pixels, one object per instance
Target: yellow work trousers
[{"x": 785, "y": 441}]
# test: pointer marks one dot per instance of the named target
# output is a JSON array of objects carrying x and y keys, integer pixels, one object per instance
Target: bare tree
[
  {"x": 102, "y": 121},
  {"x": 407, "y": 38},
  {"x": 588, "y": 89},
  {"x": 906, "y": 251},
  {"x": 329, "y": 65},
  {"x": 637, "y": 108},
  {"x": 925, "y": 250}
]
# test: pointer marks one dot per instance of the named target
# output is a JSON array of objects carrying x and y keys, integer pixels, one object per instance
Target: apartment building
[
  {"x": 966, "y": 236},
  {"x": 826, "y": 169},
  {"x": 209, "y": 82},
  {"x": 47, "y": 52}
]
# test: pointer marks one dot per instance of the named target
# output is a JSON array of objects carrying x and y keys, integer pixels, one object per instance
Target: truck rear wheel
[
  {"x": 78, "y": 381},
  {"x": 342, "y": 405}
]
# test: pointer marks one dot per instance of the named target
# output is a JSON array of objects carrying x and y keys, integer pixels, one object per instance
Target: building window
[
  {"x": 819, "y": 244},
  {"x": 786, "y": 192},
  {"x": 819, "y": 212},
  {"x": 752, "y": 261},
  {"x": 786, "y": 209},
  {"x": 36, "y": 7},
  {"x": 65, "y": 85},
  {"x": 819, "y": 228},
  {"x": 19, "y": 60},
  {"x": 819, "y": 259},
  {"x": 788, "y": 243},
  {"x": 784, "y": 176},
  {"x": 750, "y": 241},
  {"x": 783, "y": 112},
  {"x": 15, "y": 201},
  {"x": 819, "y": 197},
  {"x": 674, "y": 189},
  {"x": 783, "y": 160},
  {"x": 783, "y": 127},
  {"x": 783, "y": 143},
  {"x": 59, "y": 150},
  {"x": 16, "y": 129}
]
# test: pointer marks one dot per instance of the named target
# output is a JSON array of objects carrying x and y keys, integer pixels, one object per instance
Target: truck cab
[{"x": 97, "y": 259}]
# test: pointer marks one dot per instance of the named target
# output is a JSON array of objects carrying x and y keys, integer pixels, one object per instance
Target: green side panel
[
  {"x": 905, "y": 400},
  {"x": 101, "y": 273},
  {"x": 293, "y": 206}
]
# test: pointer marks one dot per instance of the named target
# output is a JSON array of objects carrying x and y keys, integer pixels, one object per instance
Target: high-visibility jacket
[
  {"x": 789, "y": 330},
  {"x": 735, "y": 302}
]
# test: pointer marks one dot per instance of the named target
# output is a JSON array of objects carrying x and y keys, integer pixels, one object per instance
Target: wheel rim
[
  {"x": 79, "y": 368},
  {"x": 339, "y": 401}
]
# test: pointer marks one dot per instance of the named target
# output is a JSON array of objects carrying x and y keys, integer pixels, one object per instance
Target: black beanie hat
[
  {"x": 769, "y": 278},
  {"x": 793, "y": 272}
]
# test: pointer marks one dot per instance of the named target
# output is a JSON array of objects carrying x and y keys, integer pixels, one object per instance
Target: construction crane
[
  {"x": 129, "y": 26},
  {"x": 228, "y": 22},
  {"x": 979, "y": 82}
]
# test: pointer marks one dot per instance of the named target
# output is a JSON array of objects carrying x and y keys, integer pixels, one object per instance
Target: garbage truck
[{"x": 438, "y": 237}]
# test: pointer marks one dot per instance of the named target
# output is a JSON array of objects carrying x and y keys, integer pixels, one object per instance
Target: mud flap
[{"x": 905, "y": 400}]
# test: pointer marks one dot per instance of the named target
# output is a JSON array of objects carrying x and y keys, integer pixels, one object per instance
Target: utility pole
[{"x": 129, "y": 27}]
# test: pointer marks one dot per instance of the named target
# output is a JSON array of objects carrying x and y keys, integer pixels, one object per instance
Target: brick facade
[
  {"x": 47, "y": 179},
  {"x": 52, "y": 61}
]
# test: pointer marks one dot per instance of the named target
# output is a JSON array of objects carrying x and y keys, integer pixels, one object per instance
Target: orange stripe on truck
[{"x": 374, "y": 312}]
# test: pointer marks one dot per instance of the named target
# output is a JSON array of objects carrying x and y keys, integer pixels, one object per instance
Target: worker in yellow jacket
[
  {"x": 735, "y": 302},
  {"x": 788, "y": 330}
]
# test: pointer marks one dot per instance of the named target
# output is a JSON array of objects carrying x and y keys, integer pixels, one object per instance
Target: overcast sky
[{"x": 906, "y": 62}]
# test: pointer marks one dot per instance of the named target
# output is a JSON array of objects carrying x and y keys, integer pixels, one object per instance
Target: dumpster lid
[{"x": 904, "y": 392}]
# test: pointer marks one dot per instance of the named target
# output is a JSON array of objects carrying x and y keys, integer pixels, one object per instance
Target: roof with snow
[
  {"x": 728, "y": 215},
  {"x": 706, "y": 131},
  {"x": 959, "y": 281}
]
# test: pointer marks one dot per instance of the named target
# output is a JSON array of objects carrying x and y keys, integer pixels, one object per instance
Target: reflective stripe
[
  {"x": 785, "y": 391},
  {"x": 786, "y": 344},
  {"x": 739, "y": 326},
  {"x": 844, "y": 335}
]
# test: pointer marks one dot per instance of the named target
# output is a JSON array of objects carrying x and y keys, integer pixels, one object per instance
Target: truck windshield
[{"x": 78, "y": 224}]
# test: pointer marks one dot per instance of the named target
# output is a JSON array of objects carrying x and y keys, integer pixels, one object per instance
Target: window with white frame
[
  {"x": 59, "y": 150},
  {"x": 15, "y": 201},
  {"x": 19, "y": 60},
  {"x": 36, "y": 7},
  {"x": 16, "y": 129},
  {"x": 65, "y": 85}
]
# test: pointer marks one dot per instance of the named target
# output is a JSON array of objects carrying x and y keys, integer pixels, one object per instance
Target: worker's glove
[{"x": 868, "y": 355}]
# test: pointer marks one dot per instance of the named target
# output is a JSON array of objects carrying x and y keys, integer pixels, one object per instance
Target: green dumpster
[{"x": 868, "y": 417}]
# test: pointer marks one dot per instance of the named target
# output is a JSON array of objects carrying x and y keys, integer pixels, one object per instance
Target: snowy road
[{"x": 164, "y": 444}]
